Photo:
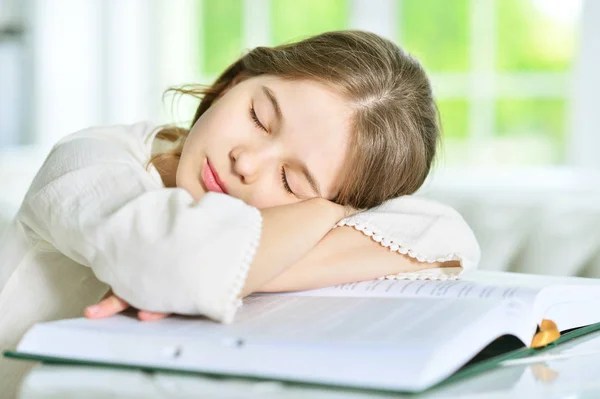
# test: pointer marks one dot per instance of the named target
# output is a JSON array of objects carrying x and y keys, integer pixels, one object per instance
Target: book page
[
  {"x": 398, "y": 342},
  {"x": 420, "y": 288},
  {"x": 353, "y": 320},
  {"x": 569, "y": 306},
  {"x": 311, "y": 319}
]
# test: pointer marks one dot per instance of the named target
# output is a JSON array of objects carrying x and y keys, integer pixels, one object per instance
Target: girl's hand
[{"x": 111, "y": 305}]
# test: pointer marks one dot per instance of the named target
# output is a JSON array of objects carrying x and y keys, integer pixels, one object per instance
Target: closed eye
[
  {"x": 259, "y": 125},
  {"x": 284, "y": 180},
  {"x": 255, "y": 120}
]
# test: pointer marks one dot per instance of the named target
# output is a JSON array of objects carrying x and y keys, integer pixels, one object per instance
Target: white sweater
[{"x": 93, "y": 203}]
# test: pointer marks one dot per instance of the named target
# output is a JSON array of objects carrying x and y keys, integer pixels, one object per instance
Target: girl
[{"x": 287, "y": 143}]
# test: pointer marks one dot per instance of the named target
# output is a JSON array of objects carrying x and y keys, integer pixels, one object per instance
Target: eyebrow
[
  {"x": 309, "y": 176},
  {"x": 271, "y": 96}
]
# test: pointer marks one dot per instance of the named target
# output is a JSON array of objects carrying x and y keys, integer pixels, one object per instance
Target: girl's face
[{"x": 268, "y": 142}]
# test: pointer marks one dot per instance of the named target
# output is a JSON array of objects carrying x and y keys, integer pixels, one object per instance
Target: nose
[{"x": 249, "y": 163}]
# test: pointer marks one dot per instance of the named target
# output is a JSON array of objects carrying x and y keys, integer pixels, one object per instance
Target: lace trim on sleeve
[
  {"x": 240, "y": 279},
  {"x": 437, "y": 273}
]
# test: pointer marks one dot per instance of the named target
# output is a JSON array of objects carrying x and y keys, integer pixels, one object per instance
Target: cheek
[
  {"x": 263, "y": 197},
  {"x": 207, "y": 126},
  {"x": 224, "y": 120}
]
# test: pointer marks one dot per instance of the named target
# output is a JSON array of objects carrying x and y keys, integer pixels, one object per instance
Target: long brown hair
[{"x": 395, "y": 124}]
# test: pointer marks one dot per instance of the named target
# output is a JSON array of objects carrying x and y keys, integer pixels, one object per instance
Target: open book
[{"x": 380, "y": 334}]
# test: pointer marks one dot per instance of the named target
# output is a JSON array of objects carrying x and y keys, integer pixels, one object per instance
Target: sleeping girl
[{"x": 296, "y": 173}]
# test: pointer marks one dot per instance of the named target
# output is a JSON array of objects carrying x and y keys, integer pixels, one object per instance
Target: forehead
[{"x": 316, "y": 125}]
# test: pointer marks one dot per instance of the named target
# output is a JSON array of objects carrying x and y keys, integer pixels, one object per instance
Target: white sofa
[{"x": 543, "y": 221}]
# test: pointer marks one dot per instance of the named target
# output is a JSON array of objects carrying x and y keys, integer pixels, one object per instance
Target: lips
[{"x": 211, "y": 179}]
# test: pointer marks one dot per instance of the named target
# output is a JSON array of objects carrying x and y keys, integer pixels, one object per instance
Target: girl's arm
[
  {"x": 289, "y": 232},
  {"x": 405, "y": 234},
  {"x": 345, "y": 255}
]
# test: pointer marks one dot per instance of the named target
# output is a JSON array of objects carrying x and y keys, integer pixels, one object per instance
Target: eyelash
[
  {"x": 260, "y": 126},
  {"x": 285, "y": 182},
  {"x": 256, "y": 121}
]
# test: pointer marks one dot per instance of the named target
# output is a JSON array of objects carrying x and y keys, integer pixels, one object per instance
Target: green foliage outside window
[
  {"x": 437, "y": 32},
  {"x": 221, "y": 34},
  {"x": 530, "y": 41},
  {"x": 294, "y": 20},
  {"x": 454, "y": 114}
]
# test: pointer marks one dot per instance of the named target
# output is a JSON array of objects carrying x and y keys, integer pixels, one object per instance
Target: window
[{"x": 501, "y": 70}]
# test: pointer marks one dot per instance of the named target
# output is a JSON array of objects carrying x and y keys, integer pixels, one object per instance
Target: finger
[
  {"x": 145, "y": 315},
  {"x": 106, "y": 307}
]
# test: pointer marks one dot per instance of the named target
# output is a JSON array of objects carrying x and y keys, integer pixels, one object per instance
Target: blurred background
[{"x": 515, "y": 80}]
